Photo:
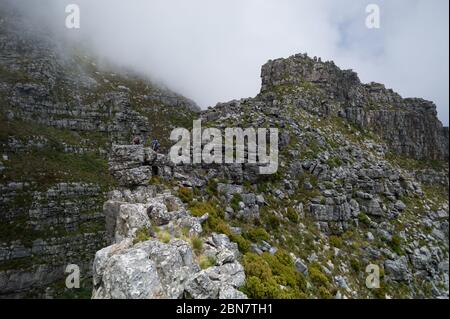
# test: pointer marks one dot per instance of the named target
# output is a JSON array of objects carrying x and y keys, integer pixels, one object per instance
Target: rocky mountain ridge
[
  {"x": 410, "y": 126},
  {"x": 340, "y": 202},
  {"x": 363, "y": 180}
]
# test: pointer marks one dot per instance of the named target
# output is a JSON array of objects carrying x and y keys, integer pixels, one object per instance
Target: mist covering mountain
[
  {"x": 363, "y": 180},
  {"x": 213, "y": 51}
]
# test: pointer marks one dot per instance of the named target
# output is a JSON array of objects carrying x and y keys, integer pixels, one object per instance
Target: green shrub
[
  {"x": 292, "y": 215},
  {"x": 164, "y": 237},
  {"x": 211, "y": 188},
  {"x": 267, "y": 273},
  {"x": 171, "y": 205},
  {"x": 215, "y": 222},
  {"x": 317, "y": 276},
  {"x": 155, "y": 180},
  {"x": 206, "y": 262},
  {"x": 336, "y": 241},
  {"x": 186, "y": 194},
  {"x": 255, "y": 288},
  {"x": 218, "y": 225},
  {"x": 198, "y": 209},
  {"x": 324, "y": 293},
  {"x": 348, "y": 235},
  {"x": 396, "y": 244},
  {"x": 256, "y": 266},
  {"x": 243, "y": 244},
  {"x": 283, "y": 268},
  {"x": 257, "y": 235},
  {"x": 197, "y": 244},
  {"x": 379, "y": 293},
  {"x": 364, "y": 219},
  {"x": 355, "y": 264},
  {"x": 273, "y": 222},
  {"x": 235, "y": 202},
  {"x": 262, "y": 188},
  {"x": 48, "y": 166},
  {"x": 142, "y": 234}
]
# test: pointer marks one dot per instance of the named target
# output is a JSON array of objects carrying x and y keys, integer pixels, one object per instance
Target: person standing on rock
[{"x": 155, "y": 145}]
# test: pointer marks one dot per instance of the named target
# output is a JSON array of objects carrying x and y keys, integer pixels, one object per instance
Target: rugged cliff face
[
  {"x": 60, "y": 112},
  {"x": 362, "y": 180},
  {"x": 409, "y": 126}
]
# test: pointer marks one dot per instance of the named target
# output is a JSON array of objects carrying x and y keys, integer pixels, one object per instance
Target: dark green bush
[
  {"x": 257, "y": 234},
  {"x": 317, "y": 276},
  {"x": 396, "y": 245},
  {"x": 243, "y": 244},
  {"x": 355, "y": 264},
  {"x": 336, "y": 241},
  {"x": 364, "y": 219},
  {"x": 197, "y": 244},
  {"x": 186, "y": 194},
  {"x": 267, "y": 273},
  {"x": 325, "y": 293},
  {"x": 273, "y": 222},
  {"x": 142, "y": 234},
  {"x": 235, "y": 202},
  {"x": 215, "y": 222},
  {"x": 211, "y": 188},
  {"x": 292, "y": 215}
]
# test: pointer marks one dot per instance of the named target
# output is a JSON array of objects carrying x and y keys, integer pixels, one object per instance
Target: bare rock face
[
  {"x": 398, "y": 270},
  {"x": 153, "y": 269},
  {"x": 135, "y": 165},
  {"x": 130, "y": 275},
  {"x": 130, "y": 219},
  {"x": 409, "y": 126}
]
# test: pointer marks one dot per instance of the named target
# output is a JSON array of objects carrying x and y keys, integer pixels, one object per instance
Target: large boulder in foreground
[
  {"x": 152, "y": 254},
  {"x": 156, "y": 270}
]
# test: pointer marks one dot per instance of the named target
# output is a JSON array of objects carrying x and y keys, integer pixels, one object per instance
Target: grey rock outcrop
[
  {"x": 398, "y": 269},
  {"x": 409, "y": 126},
  {"x": 135, "y": 165},
  {"x": 153, "y": 267}
]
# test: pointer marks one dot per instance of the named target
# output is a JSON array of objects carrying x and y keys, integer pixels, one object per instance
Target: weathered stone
[
  {"x": 131, "y": 219},
  {"x": 130, "y": 275},
  {"x": 300, "y": 266},
  {"x": 158, "y": 214},
  {"x": 229, "y": 189},
  {"x": 200, "y": 286},
  {"x": 398, "y": 269}
]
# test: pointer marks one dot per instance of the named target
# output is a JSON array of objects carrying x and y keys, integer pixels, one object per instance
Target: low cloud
[{"x": 212, "y": 51}]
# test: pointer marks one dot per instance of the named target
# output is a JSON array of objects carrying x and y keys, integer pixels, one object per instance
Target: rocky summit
[{"x": 357, "y": 209}]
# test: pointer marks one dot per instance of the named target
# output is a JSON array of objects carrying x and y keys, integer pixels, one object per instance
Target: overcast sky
[{"x": 212, "y": 50}]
